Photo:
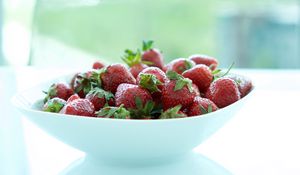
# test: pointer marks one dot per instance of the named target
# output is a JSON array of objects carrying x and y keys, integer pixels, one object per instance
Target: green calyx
[
  {"x": 54, "y": 105},
  {"x": 180, "y": 81},
  {"x": 132, "y": 58},
  {"x": 150, "y": 82},
  {"x": 147, "y": 45},
  {"x": 205, "y": 111},
  {"x": 142, "y": 111},
  {"x": 188, "y": 64},
  {"x": 172, "y": 113},
  {"x": 113, "y": 112},
  {"x": 100, "y": 93},
  {"x": 52, "y": 92},
  {"x": 89, "y": 80}
]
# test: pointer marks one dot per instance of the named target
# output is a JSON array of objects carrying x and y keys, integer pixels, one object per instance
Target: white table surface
[{"x": 262, "y": 139}]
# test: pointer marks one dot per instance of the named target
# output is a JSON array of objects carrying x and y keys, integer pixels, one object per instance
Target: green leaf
[
  {"x": 150, "y": 82},
  {"x": 172, "y": 113},
  {"x": 132, "y": 58},
  {"x": 115, "y": 112},
  {"x": 188, "y": 64},
  {"x": 147, "y": 45},
  {"x": 215, "y": 72},
  {"x": 148, "y": 107},
  {"x": 142, "y": 112},
  {"x": 54, "y": 105},
  {"x": 203, "y": 110},
  {"x": 179, "y": 85},
  {"x": 138, "y": 102},
  {"x": 172, "y": 75},
  {"x": 52, "y": 92},
  {"x": 149, "y": 63},
  {"x": 209, "y": 108}
]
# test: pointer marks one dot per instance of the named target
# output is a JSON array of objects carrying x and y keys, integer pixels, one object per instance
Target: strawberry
[
  {"x": 84, "y": 82},
  {"x": 201, "y": 106},
  {"x": 73, "y": 97},
  {"x": 244, "y": 83},
  {"x": 223, "y": 92},
  {"x": 133, "y": 60},
  {"x": 114, "y": 75},
  {"x": 209, "y": 61},
  {"x": 114, "y": 112},
  {"x": 151, "y": 56},
  {"x": 54, "y": 105},
  {"x": 135, "y": 99},
  {"x": 127, "y": 93},
  {"x": 100, "y": 98},
  {"x": 173, "y": 113},
  {"x": 196, "y": 89},
  {"x": 201, "y": 75},
  {"x": 152, "y": 79},
  {"x": 60, "y": 90},
  {"x": 98, "y": 65},
  {"x": 81, "y": 107},
  {"x": 158, "y": 73},
  {"x": 179, "y": 65},
  {"x": 177, "y": 91}
]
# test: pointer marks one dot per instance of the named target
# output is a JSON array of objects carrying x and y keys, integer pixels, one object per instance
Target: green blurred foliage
[{"x": 179, "y": 28}]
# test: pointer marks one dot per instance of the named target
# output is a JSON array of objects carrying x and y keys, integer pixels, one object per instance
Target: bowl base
[{"x": 192, "y": 163}]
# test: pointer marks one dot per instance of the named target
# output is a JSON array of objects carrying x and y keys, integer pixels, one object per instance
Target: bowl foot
[{"x": 193, "y": 163}]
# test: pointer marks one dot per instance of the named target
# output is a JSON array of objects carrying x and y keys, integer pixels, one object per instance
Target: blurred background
[{"x": 60, "y": 33}]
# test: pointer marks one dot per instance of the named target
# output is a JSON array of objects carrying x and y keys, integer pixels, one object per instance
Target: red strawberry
[
  {"x": 84, "y": 82},
  {"x": 81, "y": 107},
  {"x": 244, "y": 83},
  {"x": 153, "y": 81},
  {"x": 54, "y": 105},
  {"x": 114, "y": 112},
  {"x": 173, "y": 113},
  {"x": 177, "y": 91},
  {"x": 201, "y": 75},
  {"x": 60, "y": 90},
  {"x": 158, "y": 73},
  {"x": 100, "y": 98},
  {"x": 179, "y": 65},
  {"x": 151, "y": 56},
  {"x": 152, "y": 78},
  {"x": 135, "y": 99},
  {"x": 133, "y": 60},
  {"x": 114, "y": 75},
  {"x": 98, "y": 65},
  {"x": 196, "y": 89},
  {"x": 73, "y": 97},
  {"x": 201, "y": 106},
  {"x": 209, "y": 61},
  {"x": 223, "y": 92},
  {"x": 127, "y": 93}
]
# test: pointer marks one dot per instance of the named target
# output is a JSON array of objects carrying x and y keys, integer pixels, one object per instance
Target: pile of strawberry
[{"x": 148, "y": 89}]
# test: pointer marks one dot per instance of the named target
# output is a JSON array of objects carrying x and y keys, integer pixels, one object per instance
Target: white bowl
[{"x": 121, "y": 141}]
